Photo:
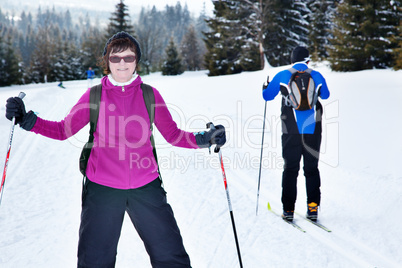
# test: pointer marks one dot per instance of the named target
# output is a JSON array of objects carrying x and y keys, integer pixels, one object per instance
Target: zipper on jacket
[{"x": 122, "y": 89}]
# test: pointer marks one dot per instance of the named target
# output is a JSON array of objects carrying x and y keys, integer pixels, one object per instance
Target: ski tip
[{"x": 269, "y": 206}]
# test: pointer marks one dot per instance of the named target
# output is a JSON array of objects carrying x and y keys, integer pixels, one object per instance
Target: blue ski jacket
[{"x": 293, "y": 121}]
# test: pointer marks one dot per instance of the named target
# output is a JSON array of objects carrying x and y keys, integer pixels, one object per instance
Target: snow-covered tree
[
  {"x": 398, "y": 50},
  {"x": 363, "y": 34},
  {"x": 255, "y": 24},
  {"x": 172, "y": 64},
  {"x": 10, "y": 73},
  {"x": 320, "y": 18},
  {"x": 286, "y": 28},
  {"x": 230, "y": 46}
]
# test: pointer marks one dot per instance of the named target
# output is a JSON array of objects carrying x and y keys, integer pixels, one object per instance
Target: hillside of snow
[{"x": 360, "y": 168}]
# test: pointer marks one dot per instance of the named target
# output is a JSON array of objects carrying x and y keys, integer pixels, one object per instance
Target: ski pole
[
  {"x": 10, "y": 140},
  {"x": 262, "y": 146},
  {"x": 219, "y": 151}
]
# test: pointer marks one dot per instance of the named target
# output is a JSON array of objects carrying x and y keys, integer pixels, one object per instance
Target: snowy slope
[{"x": 360, "y": 169}]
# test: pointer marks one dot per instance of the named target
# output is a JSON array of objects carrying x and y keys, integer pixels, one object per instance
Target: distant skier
[
  {"x": 61, "y": 85},
  {"x": 122, "y": 172},
  {"x": 301, "y": 130},
  {"x": 90, "y": 76}
]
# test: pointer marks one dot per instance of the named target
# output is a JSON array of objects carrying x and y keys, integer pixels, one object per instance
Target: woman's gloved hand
[
  {"x": 15, "y": 107},
  {"x": 215, "y": 135}
]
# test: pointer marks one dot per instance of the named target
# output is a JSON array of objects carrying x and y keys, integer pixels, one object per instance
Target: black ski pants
[
  {"x": 103, "y": 210},
  {"x": 294, "y": 146}
]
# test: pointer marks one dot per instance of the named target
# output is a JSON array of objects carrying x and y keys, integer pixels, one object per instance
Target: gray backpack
[{"x": 301, "y": 91}]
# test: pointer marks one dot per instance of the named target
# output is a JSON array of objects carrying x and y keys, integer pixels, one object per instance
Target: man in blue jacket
[
  {"x": 301, "y": 136},
  {"x": 90, "y": 76}
]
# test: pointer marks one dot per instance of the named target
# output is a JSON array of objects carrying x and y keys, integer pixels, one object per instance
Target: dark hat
[
  {"x": 300, "y": 54},
  {"x": 122, "y": 35}
]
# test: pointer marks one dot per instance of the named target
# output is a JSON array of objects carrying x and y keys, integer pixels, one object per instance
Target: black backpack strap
[
  {"x": 94, "y": 102},
  {"x": 149, "y": 98},
  {"x": 94, "y": 106}
]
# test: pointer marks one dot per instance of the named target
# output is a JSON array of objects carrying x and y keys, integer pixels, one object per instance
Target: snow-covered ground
[{"x": 360, "y": 168}]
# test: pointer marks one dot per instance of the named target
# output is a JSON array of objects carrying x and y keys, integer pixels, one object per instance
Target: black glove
[
  {"x": 265, "y": 85},
  {"x": 216, "y": 136},
  {"x": 15, "y": 108}
]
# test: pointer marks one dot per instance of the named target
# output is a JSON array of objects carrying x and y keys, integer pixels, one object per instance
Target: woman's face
[{"x": 122, "y": 69}]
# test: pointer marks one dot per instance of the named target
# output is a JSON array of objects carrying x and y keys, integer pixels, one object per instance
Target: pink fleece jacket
[{"x": 122, "y": 155}]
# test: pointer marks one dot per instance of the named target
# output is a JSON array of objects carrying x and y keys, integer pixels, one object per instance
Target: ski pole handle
[
  {"x": 265, "y": 85},
  {"x": 21, "y": 95},
  {"x": 212, "y": 126}
]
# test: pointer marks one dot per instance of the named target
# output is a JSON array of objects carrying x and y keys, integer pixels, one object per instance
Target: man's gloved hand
[
  {"x": 216, "y": 136},
  {"x": 15, "y": 108},
  {"x": 265, "y": 85}
]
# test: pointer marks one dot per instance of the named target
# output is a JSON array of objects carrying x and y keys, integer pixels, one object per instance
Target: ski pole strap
[{"x": 217, "y": 147}]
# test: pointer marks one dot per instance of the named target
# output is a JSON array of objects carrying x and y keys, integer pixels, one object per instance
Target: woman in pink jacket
[{"x": 122, "y": 173}]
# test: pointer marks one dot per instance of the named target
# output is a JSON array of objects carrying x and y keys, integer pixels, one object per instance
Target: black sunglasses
[{"x": 117, "y": 59}]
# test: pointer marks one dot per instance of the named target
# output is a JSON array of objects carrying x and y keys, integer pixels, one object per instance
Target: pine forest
[{"x": 350, "y": 35}]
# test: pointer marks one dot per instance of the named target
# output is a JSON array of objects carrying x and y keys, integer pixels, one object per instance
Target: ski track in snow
[{"x": 39, "y": 214}]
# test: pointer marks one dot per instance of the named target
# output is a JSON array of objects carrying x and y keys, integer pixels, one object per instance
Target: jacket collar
[
  {"x": 119, "y": 84},
  {"x": 300, "y": 66}
]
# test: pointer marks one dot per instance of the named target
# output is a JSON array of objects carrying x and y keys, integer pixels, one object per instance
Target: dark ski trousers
[
  {"x": 103, "y": 210},
  {"x": 294, "y": 146}
]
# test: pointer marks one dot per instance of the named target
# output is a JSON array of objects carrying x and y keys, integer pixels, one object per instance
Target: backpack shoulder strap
[
  {"x": 292, "y": 70},
  {"x": 149, "y": 98},
  {"x": 94, "y": 106},
  {"x": 286, "y": 90}
]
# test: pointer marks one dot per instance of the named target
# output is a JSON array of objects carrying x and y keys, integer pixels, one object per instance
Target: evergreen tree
[
  {"x": 177, "y": 20},
  {"x": 231, "y": 47},
  {"x": 362, "y": 35},
  {"x": 200, "y": 28},
  {"x": 286, "y": 28},
  {"x": 320, "y": 27},
  {"x": 57, "y": 70},
  {"x": 190, "y": 50},
  {"x": 256, "y": 23},
  {"x": 120, "y": 21},
  {"x": 398, "y": 51},
  {"x": 172, "y": 65},
  {"x": 68, "y": 21},
  {"x": 150, "y": 32},
  {"x": 221, "y": 57},
  {"x": 42, "y": 57},
  {"x": 92, "y": 48},
  {"x": 253, "y": 21},
  {"x": 23, "y": 22},
  {"x": 10, "y": 73}
]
